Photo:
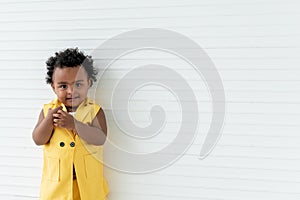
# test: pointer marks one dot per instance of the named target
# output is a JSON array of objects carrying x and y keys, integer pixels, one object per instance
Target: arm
[
  {"x": 94, "y": 133},
  {"x": 43, "y": 130}
]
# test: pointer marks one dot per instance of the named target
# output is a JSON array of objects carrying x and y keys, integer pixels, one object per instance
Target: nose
[{"x": 70, "y": 89}]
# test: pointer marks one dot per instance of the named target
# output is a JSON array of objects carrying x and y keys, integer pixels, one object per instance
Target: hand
[
  {"x": 52, "y": 111},
  {"x": 64, "y": 120}
]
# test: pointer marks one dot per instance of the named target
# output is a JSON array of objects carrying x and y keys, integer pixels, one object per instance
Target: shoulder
[
  {"x": 92, "y": 104},
  {"x": 52, "y": 104},
  {"x": 97, "y": 109}
]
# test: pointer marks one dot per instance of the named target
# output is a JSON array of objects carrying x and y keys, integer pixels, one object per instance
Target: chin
[{"x": 76, "y": 103}]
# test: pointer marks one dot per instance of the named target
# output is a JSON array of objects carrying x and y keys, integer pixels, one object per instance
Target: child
[{"x": 70, "y": 171}]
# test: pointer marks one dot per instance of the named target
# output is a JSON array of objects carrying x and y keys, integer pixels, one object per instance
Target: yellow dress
[{"x": 66, "y": 150}]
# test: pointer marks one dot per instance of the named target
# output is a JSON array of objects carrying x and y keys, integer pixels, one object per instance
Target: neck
[{"x": 71, "y": 109}]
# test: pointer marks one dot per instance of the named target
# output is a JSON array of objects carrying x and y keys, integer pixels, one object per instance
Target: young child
[{"x": 65, "y": 125}]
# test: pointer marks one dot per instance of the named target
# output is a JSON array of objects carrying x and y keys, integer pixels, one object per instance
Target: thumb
[{"x": 50, "y": 112}]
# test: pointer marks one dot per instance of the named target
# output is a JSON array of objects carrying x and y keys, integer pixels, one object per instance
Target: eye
[
  {"x": 63, "y": 86},
  {"x": 78, "y": 85}
]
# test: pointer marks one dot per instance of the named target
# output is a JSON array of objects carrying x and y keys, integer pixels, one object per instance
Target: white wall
[{"x": 255, "y": 47}]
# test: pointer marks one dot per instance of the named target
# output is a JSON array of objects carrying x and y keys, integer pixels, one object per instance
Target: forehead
[{"x": 69, "y": 74}]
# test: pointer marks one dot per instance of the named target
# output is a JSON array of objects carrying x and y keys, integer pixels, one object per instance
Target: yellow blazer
[{"x": 66, "y": 149}]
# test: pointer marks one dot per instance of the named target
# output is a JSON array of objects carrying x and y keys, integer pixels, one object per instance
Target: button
[
  {"x": 62, "y": 144},
  {"x": 72, "y": 144}
]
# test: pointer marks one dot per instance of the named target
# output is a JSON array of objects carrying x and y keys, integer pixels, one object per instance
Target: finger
[
  {"x": 57, "y": 109},
  {"x": 59, "y": 121},
  {"x": 56, "y": 115},
  {"x": 63, "y": 113},
  {"x": 55, "y": 124},
  {"x": 58, "y": 124},
  {"x": 56, "y": 121}
]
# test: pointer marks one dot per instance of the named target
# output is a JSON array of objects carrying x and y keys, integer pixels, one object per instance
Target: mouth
[{"x": 72, "y": 98}]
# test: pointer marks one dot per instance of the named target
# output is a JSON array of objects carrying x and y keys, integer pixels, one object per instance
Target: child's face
[{"x": 71, "y": 85}]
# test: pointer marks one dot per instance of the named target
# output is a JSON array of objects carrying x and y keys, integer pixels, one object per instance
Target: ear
[
  {"x": 90, "y": 82},
  {"x": 53, "y": 88}
]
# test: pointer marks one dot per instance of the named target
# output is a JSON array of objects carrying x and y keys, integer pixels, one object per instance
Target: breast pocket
[{"x": 52, "y": 169}]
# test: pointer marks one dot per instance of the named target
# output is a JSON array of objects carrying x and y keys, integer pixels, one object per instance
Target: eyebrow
[
  {"x": 62, "y": 83},
  {"x": 67, "y": 82}
]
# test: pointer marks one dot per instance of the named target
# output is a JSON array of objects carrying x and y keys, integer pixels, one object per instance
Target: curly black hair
[{"x": 70, "y": 57}]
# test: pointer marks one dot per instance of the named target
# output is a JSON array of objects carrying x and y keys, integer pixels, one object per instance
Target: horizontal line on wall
[
  {"x": 209, "y": 177},
  {"x": 17, "y": 176},
  {"x": 7, "y": 40},
  {"x": 193, "y": 144},
  {"x": 170, "y": 79},
  {"x": 237, "y": 168},
  {"x": 184, "y": 186},
  {"x": 185, "y": 154},
  {"x": 269, "y": 69},
  {"x": 247, "y": 157},
  {"x": 6, "y": 195},
  {"x": 139, "y": 7},
  {"x": 154, "y": 17},
  {"x": 202, "y": 101},
  {"x": 168, "y": 133},
  {"x": 21, "y": 166},
  {"x": 214, "y": 188},
  {"x": 235, "y": 124},
  {"x": 197, "y": 166},
  {"x": 17, "y": 185},
  {"x": 142, "y": 195},
  {"x": 282, "y": 114},
  {"x": 169, "y": 49},
  {"x": 37, "y": 1},
  {"x": 212, "y": 57}
]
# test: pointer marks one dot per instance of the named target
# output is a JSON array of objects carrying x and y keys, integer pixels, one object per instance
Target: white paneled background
[{"x": 255, "y": 47}]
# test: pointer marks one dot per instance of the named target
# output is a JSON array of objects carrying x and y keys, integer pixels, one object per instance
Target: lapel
[{"x": 82, "y": 111}]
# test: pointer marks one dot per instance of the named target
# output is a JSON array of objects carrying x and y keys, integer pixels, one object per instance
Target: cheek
[
  {"x": 83, "y": 91},
  {"x": 60, "y": 93}
]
